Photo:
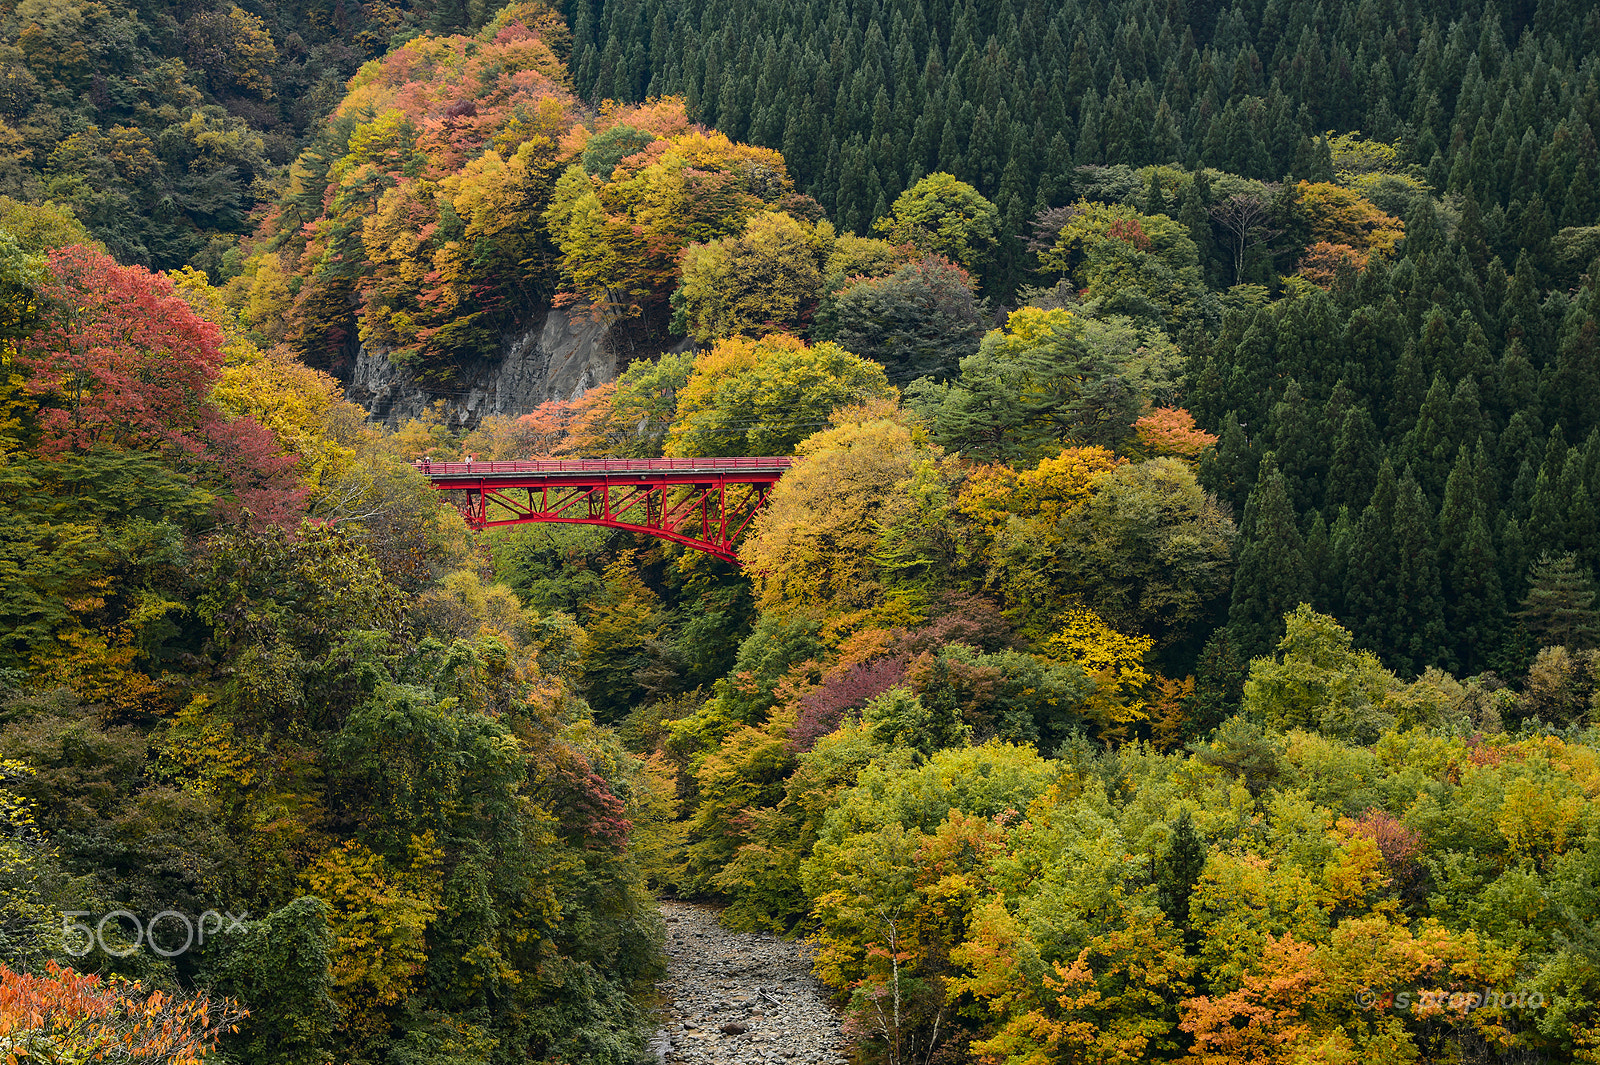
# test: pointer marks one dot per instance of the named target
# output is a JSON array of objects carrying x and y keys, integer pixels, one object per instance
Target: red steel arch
[{"x": 703, "y": 503}]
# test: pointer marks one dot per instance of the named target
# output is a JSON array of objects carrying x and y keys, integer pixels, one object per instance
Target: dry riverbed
[{"x": 736, "y": 998}]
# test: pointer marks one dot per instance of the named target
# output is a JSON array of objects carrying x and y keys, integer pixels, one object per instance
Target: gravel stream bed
[{"x": 738, "y": 997}]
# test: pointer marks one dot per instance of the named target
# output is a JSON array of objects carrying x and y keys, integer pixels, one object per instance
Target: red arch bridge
[{"x": 702, "y": 503}]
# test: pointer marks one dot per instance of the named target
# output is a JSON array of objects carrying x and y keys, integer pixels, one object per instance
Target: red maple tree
[{"x": 122, "y": 362}]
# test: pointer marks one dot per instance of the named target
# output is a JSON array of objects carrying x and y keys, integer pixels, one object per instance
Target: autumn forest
[{"x": 1176, "y": 638}]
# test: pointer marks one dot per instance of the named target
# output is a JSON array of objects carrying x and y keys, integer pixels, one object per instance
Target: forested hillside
[
  {"x": 164, "y": 125},
  {"x": 1175, "y": 638},
  {"x": 865, "y": 98}
]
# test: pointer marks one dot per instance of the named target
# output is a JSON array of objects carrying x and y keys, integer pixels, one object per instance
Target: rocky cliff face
[{"x": 556, "y": 357}]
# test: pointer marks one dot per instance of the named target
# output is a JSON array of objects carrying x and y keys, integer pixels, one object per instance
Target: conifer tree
[
  {"x": 1178, "y": 871},
  {"x": 1353, "y": 468},
  {"x": 1427, "y": 448},
  {"x": 1326, "y": 576},
  {"x": 1582, "y": 526},
  {"x": 1155, "y": 200},
  {"x": 1392, "y": 592},
  {"x": 1219, "y": 682},
  {"x": 1415, "y": 609},
  {"x": 1571, "y": 386},
  {"x": 1291, "y": 433},
  {"x": 1560, "y": 605},
  {"x": 1546, "y": 525},
  {"x": 1370, "y": 559},
  {"x": 1253, "y": 373},
  {"x": 1272, "y": 578},
  {"x": 1228, "y": 470},
  {"x": 1195, "y": 214},
  {"x": 1474, "y": 605},
  {"x": 1406, "y": 394}
]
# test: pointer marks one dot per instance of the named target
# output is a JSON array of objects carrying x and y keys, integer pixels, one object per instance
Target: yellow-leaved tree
[
  {"x": 814, "y": 545},
  {"x": 762, "y": 397},
  {"x": 1115, "y": 662},
  {"x": 1340, "y": 216},
  {"x": 766, "y": 280},
  {"x": 380, "y": 917}
]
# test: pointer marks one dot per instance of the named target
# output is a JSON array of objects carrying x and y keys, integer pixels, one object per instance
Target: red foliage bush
[
  {"x": 581, "y": 798},
  {"x": 822, "y": 708},
  {"x": 1400, "y": 845},
  {"x": 1129, "y": 230}
]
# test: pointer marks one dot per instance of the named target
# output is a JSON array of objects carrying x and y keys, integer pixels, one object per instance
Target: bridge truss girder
[{"x": 707, "y": 515}]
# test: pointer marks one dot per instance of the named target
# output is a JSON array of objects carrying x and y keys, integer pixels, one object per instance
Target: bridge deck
[{"x": 555, "y": 470}]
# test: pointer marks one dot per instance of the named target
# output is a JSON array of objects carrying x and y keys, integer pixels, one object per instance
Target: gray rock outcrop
[{"x": 557, "y": 356}]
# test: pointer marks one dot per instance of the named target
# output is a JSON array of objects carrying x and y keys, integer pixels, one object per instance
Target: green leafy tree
[
  {"x": 919, "y": 321},
  {"x": 1147, "y": 550},
  {"x": 603, "y": 151},
  {"x": 1031, "y": 388},
  {"x": 39, "y": 227},
  {"x": 620, "y": 234},
  {"x": 899, "y": 718},
  {"x": 620, "y": 625},
  {"x": 1131, "y": 263},
  {"x": 942, "y": 215},
  {"x": 1318, "y": 680},
  {"x": 283, "y": 969},
  {"x": 22, "y": 275}
]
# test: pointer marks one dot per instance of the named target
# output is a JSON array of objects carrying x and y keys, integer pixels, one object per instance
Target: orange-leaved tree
[
  {"x": 1107, "y": 1006},
  {"x": 1172, "y": 431},
  {"x": 1261, "y": 1022},
  {"x": 70, "y": 1016},
  {"x": 1339, "y": 216},
  {"x": 1322, "y": 262}
]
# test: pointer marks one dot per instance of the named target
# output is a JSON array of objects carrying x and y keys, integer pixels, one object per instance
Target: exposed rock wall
[{"x": 558, "y": 356}]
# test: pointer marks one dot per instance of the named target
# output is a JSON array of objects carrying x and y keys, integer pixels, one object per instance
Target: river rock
[{"x": 741, "y": 998}]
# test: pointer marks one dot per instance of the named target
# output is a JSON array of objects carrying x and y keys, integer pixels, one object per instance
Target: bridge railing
[{"x": 591, "y": 467}]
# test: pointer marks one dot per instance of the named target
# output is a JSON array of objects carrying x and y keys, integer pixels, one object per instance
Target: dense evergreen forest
[{"x": 1175, "y": 640}]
